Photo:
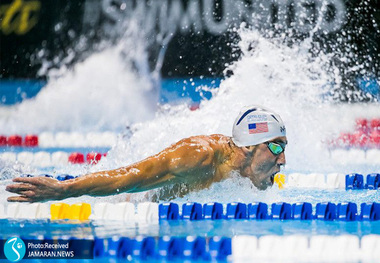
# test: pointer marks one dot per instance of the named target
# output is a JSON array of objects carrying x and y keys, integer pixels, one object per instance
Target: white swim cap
[{"x": 256, "y": 124}]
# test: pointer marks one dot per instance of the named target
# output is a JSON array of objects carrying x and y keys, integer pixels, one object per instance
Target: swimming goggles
[{"x": 275, "y": 147}]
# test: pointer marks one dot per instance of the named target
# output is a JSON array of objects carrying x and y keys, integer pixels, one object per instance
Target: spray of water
[
  {"x": 287, "y": 79},
  {"x": 106, "y": 91}
]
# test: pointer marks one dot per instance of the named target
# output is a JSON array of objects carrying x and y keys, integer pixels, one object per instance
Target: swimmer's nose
[{"x": 281, "y": 160}]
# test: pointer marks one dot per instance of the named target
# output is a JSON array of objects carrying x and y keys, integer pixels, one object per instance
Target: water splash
[
  {"x": 108, "y": 90},
  {"x": 286, "y": 79}
]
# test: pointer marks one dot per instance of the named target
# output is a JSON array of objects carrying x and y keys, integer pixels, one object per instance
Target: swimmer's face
[{"x": 265, "y": 164}]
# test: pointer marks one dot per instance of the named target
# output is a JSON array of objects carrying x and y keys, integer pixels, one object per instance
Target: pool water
[{"x": 183, "y": 228}]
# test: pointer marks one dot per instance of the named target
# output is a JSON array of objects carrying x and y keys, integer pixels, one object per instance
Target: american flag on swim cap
[{"x": 258, "y": 127}]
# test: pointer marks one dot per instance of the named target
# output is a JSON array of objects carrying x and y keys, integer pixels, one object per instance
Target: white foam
[{"x": 103, "y": 92}]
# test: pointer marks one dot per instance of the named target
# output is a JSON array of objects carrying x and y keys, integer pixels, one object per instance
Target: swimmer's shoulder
[
  {"x": 211, "y": 143},
  {"x": 209, "y": 148},
  {"x": 211, "y": 140}
]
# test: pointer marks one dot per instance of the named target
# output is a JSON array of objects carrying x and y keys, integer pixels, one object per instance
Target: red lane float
[
  {"x": 31, "y": 140},
  {"x": 194, "y": 106},
  {"x": 375, "y": 124},
  {"x": 375, "y": 138},
  {"x": 76, "y": 158},
  {"x": 93, "y": 158},
  {"x": 362, "y": 125},
  {"x": 60, "y": 139},
  {"x": 14, "y": 140},
  {"x": 366, "y": 135},
  {"x": 3, "y": 140}
]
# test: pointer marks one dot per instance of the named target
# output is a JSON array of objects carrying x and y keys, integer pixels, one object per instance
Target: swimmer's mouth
[{"x": 272, "y": 177}]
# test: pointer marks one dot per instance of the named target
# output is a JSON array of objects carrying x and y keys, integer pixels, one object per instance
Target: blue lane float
[
  {"x": 170, "y": 248},
  {"x": 281, "y": 211},
  {"x": 373, "y": 181},
  {"x": 354, "y": 181},
  {"x": 302, "y": 211},
  {"x": 163, "y": 248},
  {"x": 347, "y": 211},
  {"x": 370, "y": 211},
  {"x": 327, "y": 211},
  {"x": 143, "y": 248},
  {"x": 236, "y": 211},
  {"x": 168, "y": 211},
  {"x": 219, "y": 248},
  {"x": 213, "y": 211},
  {"x": 194, "y": 248},
  {"x": 192, "y": 211},
  {"x": 64, "y": 177},
  {"x": 258, "y": 211}
]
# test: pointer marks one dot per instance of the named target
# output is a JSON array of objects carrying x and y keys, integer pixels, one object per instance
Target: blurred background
[{"x": 180, "y": 44}]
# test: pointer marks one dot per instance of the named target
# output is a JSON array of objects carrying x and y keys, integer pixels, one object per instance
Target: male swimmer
[{"x": 255, "y": 150}]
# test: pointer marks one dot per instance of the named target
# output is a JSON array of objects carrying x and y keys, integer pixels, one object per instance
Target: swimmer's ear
[
  {"x": 251, "y": 148},
  {"x": 248, "y": 149}
]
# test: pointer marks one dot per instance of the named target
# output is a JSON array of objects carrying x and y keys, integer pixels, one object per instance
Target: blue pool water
[{"x": 183, "y": 228}]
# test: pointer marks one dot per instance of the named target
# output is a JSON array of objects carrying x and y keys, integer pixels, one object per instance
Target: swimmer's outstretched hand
[{"x": 35, "y": 189}]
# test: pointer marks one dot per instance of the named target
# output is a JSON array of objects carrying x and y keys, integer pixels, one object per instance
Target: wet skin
[
  {"x": 195, "y": 162},
  {"x": 265, "y": 165}
]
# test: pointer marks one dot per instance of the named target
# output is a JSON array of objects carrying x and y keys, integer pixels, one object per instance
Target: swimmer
[{"x": 255, "y": 150}]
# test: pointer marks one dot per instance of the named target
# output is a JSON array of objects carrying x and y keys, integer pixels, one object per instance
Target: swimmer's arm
[
  {"x": 165, "y": 168},
  {"x": 156, "y": 171}
]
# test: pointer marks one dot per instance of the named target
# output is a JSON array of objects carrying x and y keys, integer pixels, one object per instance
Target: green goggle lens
[{"x": 276, "y": 148}]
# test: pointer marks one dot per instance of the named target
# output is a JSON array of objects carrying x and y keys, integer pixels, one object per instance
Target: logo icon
[{"x": 14, "y": 249}]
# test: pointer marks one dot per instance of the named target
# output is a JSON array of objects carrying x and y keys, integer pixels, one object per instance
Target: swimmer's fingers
[
  {"x": 19, "y": 188},
  {"x": 31, "y": 180},
  {"x": 25, "y": 196},
  {"x": 36, "y": 189},
  {"x": 35, "y": 181},
  {"x": 19, "y": 198},
  {"x": 29, "y": 194},
  {"x": 26, "y": 191}
]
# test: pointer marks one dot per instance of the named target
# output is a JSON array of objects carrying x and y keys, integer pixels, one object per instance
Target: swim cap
[{"x": 255, "y": 125}]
